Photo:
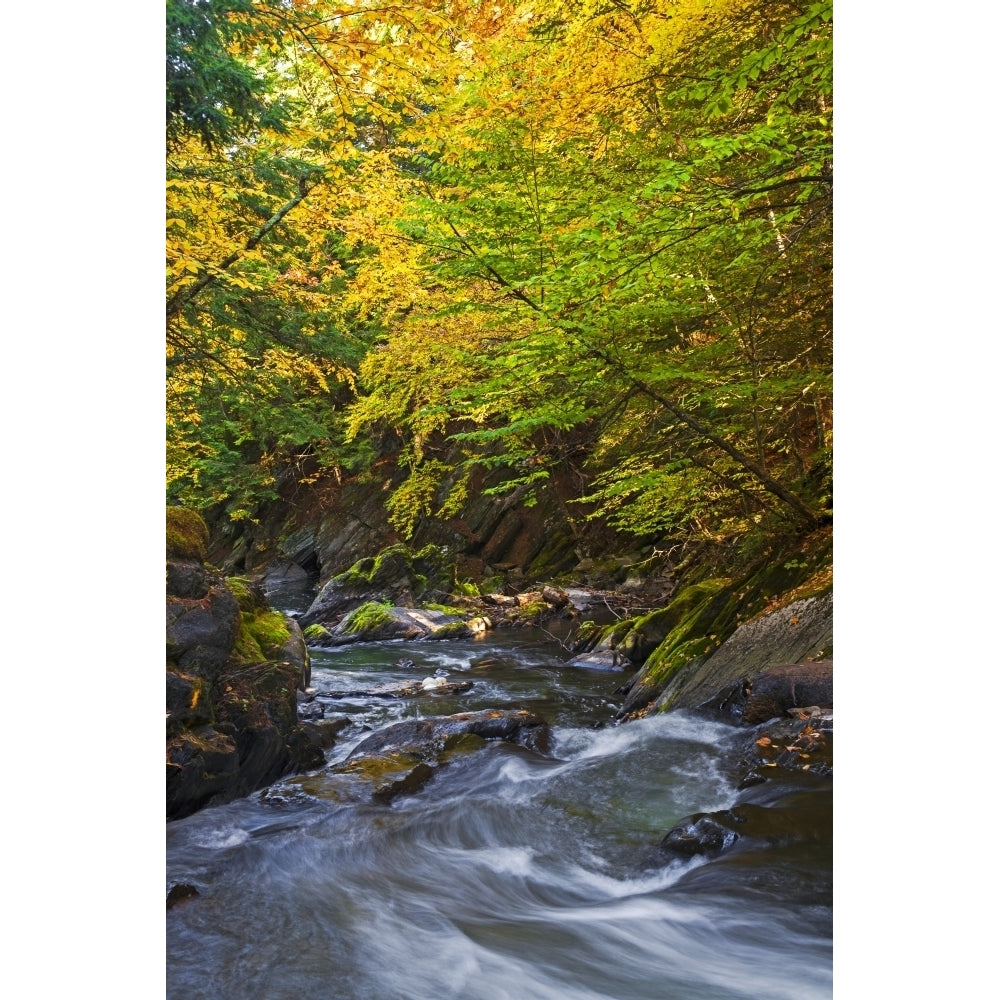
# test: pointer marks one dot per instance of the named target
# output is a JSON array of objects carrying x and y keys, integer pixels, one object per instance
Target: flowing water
[{"x": 510, "y": 874}]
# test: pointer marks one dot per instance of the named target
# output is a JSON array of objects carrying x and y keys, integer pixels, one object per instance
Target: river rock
[
  {"x": 601, "y": 659},
  {"x": 295, "y": 651},
  {"x": 401, "y": 758},
  {"x": 707, "y": 834},
  {"x": 402, "y": 689},
  {"x": 427, "y": 737},
  {"x": 179, "y": 891},
  {"x": 396, "y": 574},
  {"x": 799, "y": 817},
  {"x": 323, "y": 734},
  {"x": 396, "y": 623}
]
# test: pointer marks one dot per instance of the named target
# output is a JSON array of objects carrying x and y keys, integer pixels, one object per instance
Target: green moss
[
  {"x": 369, "y": 615},
  {"x": 248, "y": 595},
  {"x": 270, "y": 630},
  {"x": 428, "y": 569},
  {"x": 261, "y": 633},
  {"x": 701, "y": 616},
  {"x": 453, "y": 630},
  {"x": 246, "y": 648},
  {"x": 533, "y": 610},
  {"x": 187, "y": 534},
  {"x": 446, "y": 609},
  {"x": 314, "y": 632}
]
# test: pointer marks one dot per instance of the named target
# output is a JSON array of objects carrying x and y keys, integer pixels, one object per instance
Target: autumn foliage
[{"x": 517, "y": 236}]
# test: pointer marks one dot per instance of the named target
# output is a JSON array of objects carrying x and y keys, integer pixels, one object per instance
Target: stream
[{"x": 510, "y": 874}]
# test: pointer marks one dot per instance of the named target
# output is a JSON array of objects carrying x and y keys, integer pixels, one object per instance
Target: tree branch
[{"x": 182, "y": 297}]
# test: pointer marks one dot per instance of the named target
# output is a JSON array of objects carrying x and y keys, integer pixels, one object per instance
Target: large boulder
[
  {"x": 232, "y": 668},
  {"x": 377, "y": 622},
  {"x": 396, "y": 575},
  {"x": 202, "y": 630}
]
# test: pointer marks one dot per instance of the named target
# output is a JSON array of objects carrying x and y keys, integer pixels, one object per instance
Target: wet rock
[
  {"x": 780, "y": 688},
  {"x": 232, "y": 723},
  {"x": 601, "y": 659},
  {"x": 802, "y": 816},
  {"x": 598, "y": 647},
  {"x": 187, "y": 578},
  {"x": 395, "y": 775},
  {"x": 201, "y": 765},
  {"x": 323, "y": 734},
  {"x": 178, "y": 892},
  {"x": 789, "y": 745},
  {"x": 429, "y": 736},
  {"x": 402, "y": 689},
  {"x": 201, "y": 632},
  {"x": 312, "y": 711},
  {"x": 295, "y": 651},
  {"x": 396, "y": 574},
  {"x": 707, "y": 834},
  {"x": 401, "y": 758},
  {"x": 188, "y": 701}
]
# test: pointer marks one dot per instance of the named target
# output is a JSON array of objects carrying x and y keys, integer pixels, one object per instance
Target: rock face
[
  {"x": 340, "y": 521},
  {"x": 797, "y": 633},
  {"x": 231, "y": 677},
  {"x": 800, "y": 632}
]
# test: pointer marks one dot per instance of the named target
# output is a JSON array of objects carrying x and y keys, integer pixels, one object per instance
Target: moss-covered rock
[
  {"x": 316, "y": 633},
  {"x": 187, "y": 534},
  {"x": 233, "y": 665},
  {"x": 453, "y": 630},
  {"x": 397, "y": 575},
  {"x": 369, "y": 616}
]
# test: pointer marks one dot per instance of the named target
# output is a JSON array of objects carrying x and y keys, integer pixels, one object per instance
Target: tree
[{"x": 637, "y": 200}]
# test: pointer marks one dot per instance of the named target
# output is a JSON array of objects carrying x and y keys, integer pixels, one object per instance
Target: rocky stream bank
[{"x": 755, "y": 652}]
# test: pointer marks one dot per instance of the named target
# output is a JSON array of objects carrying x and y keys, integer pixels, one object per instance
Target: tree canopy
[{"x": 509, "y": 236}]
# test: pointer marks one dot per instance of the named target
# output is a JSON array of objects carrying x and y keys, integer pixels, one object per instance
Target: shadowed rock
[{"x": 775, "y": 693}]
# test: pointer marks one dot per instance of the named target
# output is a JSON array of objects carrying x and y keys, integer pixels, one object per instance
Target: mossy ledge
[{"x": 703, "y": 615}]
